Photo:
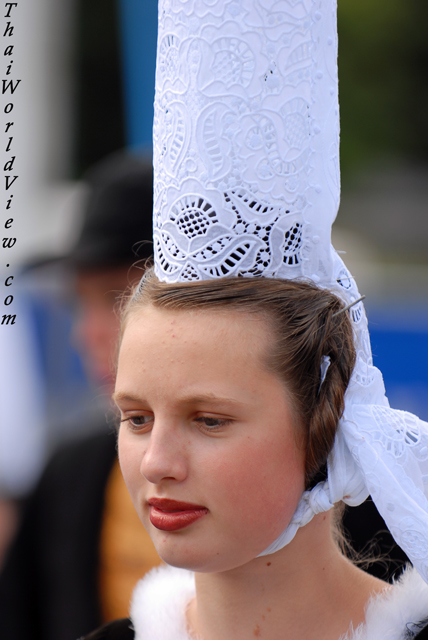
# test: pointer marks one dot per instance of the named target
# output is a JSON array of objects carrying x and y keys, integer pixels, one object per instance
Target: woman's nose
[{"x": 165, "y": 457}]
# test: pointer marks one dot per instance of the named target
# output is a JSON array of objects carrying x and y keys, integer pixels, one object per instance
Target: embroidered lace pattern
[
  {"x": 246, "y": 148},
  {"x": 246, "y": 118}
]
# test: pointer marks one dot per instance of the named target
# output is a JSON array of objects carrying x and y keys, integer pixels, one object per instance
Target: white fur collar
[
  {"x": 160, "y": 599},
  {"x": 389, "y": 615},
  {"x": 159, "y": 602}
]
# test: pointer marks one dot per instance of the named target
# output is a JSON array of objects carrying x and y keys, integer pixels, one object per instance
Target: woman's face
[{"x": 207, "y": 444}]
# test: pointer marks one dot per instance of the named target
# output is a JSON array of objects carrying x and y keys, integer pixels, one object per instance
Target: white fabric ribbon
[{"x": 382, "y": 452}]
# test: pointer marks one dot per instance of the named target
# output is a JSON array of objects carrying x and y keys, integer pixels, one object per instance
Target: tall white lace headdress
[{"x": 246, "y": 161}]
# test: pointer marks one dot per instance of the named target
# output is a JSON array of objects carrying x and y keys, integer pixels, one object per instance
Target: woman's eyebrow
[
  {"x": 207, "y": 397},
  {"x": 117, "y": 396}
]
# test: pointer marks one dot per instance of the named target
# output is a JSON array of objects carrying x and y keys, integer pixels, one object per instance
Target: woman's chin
[
  {"x": 202, "y": 556},
  {"x": 186, "y": 554}
]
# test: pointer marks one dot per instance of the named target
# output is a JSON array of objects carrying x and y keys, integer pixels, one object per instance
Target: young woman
[
  {"x": 248, "y": 398},
  {"x": 225, "y": 421}
]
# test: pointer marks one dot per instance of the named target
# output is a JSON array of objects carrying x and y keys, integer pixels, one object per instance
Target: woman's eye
[
  {"x": 138, "y": 422},
  {"x": 212, "y": 423}
]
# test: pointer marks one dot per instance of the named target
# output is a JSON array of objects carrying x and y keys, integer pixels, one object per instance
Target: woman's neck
[{"x": 307, "y": 590}]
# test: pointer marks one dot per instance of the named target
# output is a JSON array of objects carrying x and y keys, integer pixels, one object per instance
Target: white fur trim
[
  {"x": 391, "y": 613},
  {"x": 160, "y": 600}
]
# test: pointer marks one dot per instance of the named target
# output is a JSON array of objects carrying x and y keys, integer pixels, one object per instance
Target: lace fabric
[
  {"x": 246, "y": 119},
  {"x": 246, "y": 162}
]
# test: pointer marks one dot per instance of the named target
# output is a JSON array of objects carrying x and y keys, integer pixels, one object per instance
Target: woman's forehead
[
  {"x": 207, "y": 350},
  {"x": 203, "y": 323}
]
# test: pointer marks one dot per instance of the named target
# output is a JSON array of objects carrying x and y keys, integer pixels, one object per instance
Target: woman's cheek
[
  {"x": 251, "y": 486},
  {"x": 130, "y": 461}
]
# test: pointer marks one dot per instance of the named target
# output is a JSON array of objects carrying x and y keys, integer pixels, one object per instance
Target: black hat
[{"x": 117, "y": 221}]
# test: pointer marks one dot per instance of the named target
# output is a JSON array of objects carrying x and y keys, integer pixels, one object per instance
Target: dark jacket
[
  {"x": 117, "y": 630},
  {"x": 48, "y": 588}
]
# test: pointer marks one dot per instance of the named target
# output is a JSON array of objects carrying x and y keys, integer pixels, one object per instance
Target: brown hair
[{"x": 306, "y": 326}]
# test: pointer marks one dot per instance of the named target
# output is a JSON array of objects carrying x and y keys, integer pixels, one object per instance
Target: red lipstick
[{"x": 172, "y": 515}]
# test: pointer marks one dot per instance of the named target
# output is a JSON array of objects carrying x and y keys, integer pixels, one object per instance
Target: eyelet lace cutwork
[
  {"x": 242, "y": 100},
  {"x": 192, "y": 216}
]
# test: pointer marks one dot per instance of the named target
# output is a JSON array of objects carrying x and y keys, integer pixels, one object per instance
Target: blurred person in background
[{"x": 81, "y": 548}]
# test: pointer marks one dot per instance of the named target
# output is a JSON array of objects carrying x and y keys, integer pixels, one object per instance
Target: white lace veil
[{"x": 246, "y": 160}]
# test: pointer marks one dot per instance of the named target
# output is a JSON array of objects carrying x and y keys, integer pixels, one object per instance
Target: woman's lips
[{"x": 171, "y": 515}]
